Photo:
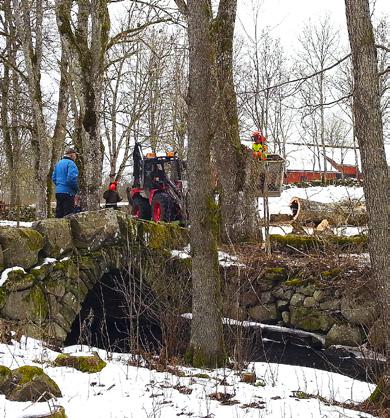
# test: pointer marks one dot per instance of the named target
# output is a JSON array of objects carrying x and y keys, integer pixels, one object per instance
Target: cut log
[
  {"x": 280, "y": 218},
  {"x": 351, "y": 212}
]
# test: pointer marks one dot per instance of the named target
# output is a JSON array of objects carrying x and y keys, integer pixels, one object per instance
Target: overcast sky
[{"x": 286, "y": 18}]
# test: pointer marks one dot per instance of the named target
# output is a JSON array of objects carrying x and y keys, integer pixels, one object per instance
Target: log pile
[{"x": 308, "y": 212}]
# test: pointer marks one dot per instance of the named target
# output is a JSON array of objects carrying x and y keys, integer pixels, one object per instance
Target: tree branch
[
  {"x": 300, "y": 79},
  {"x": 385, "y": 48},
  {"x": 182, "y": 6},
  {"x": 120, "y": 37},
  {"x": 385, "y": 71},
  {"x": 11, "y": 65}
]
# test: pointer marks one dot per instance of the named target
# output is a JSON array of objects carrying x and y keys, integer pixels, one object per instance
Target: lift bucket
[{"x": 271, "y": 172}]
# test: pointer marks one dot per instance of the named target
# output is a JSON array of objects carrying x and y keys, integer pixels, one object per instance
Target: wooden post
[{"x": 267, "y": 240}]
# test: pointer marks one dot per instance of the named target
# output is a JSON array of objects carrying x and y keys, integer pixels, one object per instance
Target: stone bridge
[{"x": 49, "y": 270}]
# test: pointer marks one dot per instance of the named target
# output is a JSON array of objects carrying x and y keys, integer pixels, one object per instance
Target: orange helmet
[{"x": 257, "y": 137}]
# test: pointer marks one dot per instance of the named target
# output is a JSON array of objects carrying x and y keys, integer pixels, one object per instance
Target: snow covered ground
[{"x": 124, "y": 391}]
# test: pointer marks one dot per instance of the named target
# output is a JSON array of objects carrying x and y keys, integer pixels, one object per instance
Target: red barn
[
  {"x": 340, "y": 171},
  {"x": 298, "y": 176}
]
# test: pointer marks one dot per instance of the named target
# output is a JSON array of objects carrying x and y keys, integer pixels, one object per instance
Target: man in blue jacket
[{"x": 65, "y": 177}]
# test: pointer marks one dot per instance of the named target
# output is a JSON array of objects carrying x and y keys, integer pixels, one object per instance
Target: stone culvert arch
[
  {"x": 60, "y": 260},
  {"x": 49, "y": 269}
]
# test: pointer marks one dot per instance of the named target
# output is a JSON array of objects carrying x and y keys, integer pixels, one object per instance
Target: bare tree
[
  {"x": 319, "y": 44},
  {"x": 124, "y": 103},
  {"x": 369, "y": 133}
]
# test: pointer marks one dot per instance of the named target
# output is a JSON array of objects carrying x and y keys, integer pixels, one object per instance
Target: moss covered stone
[
  {"x": 95, "y": 229},
  {"x": 163, "y": 236},
  {"x": 263, "y": 313},
  {"x": 57, "y": 236},
  {"x": 37, "y": 305},
  {"x": 310, "y": 242},
  {"x": 331, "y": 274},
  {"x": 19, "y": 280},
  {"x": 294, "y": 281},
  {"x": 310, "y": 319},
  {"x": 86, "y": 364},
  {"x": 29, "y": 383},
  {"x": 57, "y": 412},
  {"x": 274, "y": 274},
  {"x": 30, "y": 304},
  {"x": 5, "y": 374},
  {"x": 301, "y": 242},
  {"x": 20, "y": 246},
  {"x": 344, "y": 334},
  {"x": 68, "y": 267}
]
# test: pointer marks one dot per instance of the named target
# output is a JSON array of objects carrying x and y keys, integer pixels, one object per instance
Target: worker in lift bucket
[{"x": 259, "y": 146}]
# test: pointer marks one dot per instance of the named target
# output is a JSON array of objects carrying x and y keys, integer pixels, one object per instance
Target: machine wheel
[
  {"x": 140, "y": 208},
  {"x": 163, "y": 208}
]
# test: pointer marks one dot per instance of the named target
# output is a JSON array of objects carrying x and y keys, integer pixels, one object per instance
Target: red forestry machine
[{"x": 158, "y": 192}]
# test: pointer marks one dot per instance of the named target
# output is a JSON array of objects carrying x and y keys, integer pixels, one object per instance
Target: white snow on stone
[
  {"x": 14, "y": 223},
  {"x": 4, "y": 274},
  {"x": 184, "y": 253},
  {"x": 227, "y": 260},
  {"x": 49, "y": 260},
  {"x": 46, "y": 261}
]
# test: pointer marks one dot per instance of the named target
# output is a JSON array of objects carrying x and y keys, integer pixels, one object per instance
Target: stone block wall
[{"x": 48, "y": 270}]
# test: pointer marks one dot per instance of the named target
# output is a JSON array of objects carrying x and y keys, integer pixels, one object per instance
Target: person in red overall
[
  {"x": 259, "y": 146},
  {"x": 111, "y": 196}
]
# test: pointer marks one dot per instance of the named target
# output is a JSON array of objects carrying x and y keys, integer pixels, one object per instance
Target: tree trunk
[
  {"x": 8, "y": 108},
  {"x": 32, "y": 53},
  {"x": 235, "y": 169},
  {"x": 369, "y": 134},
  {"x": 206, "y": 345},
  {"x": 59, "y": 134},
  {"x": 89, "y": 43}
]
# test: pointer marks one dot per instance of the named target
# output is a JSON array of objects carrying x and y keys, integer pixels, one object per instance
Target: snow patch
[
  {"x": 4, "y": 274},
  {"x": 227, "y": 260},
  {"x": 184, "y": 253}
]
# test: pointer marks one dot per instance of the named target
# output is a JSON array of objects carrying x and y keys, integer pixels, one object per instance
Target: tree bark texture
[
  {"x": 369, "y": 134},
  {"x": 206, "y": 345},
  {"x": 236, "y": 173},
  {"x": 10, "y": 100},
  {"x": 88, "y": 43},
  {"x": 32, "y": 52},
  {"x": 59, "y": 134}
]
